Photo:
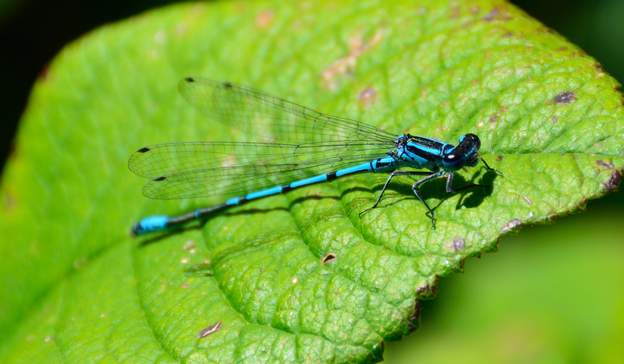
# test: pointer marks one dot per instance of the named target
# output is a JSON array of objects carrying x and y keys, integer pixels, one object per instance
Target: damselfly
[{"x": 293, "y": 147}]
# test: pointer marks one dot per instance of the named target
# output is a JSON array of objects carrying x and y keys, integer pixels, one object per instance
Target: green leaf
[{"x": 75, "y": 287}]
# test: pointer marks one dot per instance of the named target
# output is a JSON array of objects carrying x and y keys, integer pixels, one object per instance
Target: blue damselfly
[{"x": 312, "y": 148}]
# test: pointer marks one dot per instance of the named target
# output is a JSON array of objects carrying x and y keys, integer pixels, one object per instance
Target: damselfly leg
[
  {"x": 487, "y": 166},
  {"x": 385, "y": 186},
  {"x": 430, "y": 213}
]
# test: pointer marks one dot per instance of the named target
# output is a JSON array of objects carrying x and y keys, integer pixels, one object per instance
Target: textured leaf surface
[{"x": 76, "y": 288}]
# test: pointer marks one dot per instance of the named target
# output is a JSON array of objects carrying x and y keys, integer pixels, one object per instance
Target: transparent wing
[
  {"x": 263, "y": 118},
  {"x": 290, "y": 142},
  {"x": 227, "y": 169}
]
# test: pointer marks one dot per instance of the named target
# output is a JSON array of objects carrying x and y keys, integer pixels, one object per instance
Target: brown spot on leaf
[
  {"x": 495, "y": 117},
  {"x": 346, "y": 65},
  {"x": 498, "y": 13},
  {"x": 414, "y": 319},
  {"x": 367, "y": 97},
  {"x": 209, "y": 330},
  {"x": 428, "y": 290},
  {"x": 566, "y": 97},
  {"x": 603, "y": 164},
  {"x": 328, "y": 258},
  {"x": 613, "y": 182},
  {"x": 265, "y": 19},
  {"x": 455, "y": 11},
  {"x": 499, "y": 158},
  {"x": 510, "y": 225},
  {"x": 527, "y": 200},
  {"x": 423, "y": 289},
  {"x": 458, "y": 243}
]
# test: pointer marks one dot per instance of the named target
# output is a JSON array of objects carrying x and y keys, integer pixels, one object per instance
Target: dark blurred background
[
  {"x": 551, "y": 294},
  {"x": 32, "y": 32}
]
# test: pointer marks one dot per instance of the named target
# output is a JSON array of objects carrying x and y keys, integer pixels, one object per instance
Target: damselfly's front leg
[
  {"x": 449, "y": 184},
  {"x": 487, "y": 166},
  {"x": 385, "y": 186}
]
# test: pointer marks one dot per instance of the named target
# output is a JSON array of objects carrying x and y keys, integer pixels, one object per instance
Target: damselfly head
[{"x": 466, "y": 153}]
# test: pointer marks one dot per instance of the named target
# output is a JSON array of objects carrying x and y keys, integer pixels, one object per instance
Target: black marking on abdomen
[
  {"x": 330, "y": 176},
  {"x": 286, "y": 188},
  {"x": 380, "y": 164}
]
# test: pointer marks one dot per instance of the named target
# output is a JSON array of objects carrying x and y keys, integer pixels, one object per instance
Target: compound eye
[{"x": 475, "y": 140}]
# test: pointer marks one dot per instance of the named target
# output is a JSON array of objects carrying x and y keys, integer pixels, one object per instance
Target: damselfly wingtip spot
[
  {"x": 227, "y": 84},
  {"x": 159, "y": 179},
  {"x": 189, "y": 79},
  {"x": 143, "y": 150}
]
